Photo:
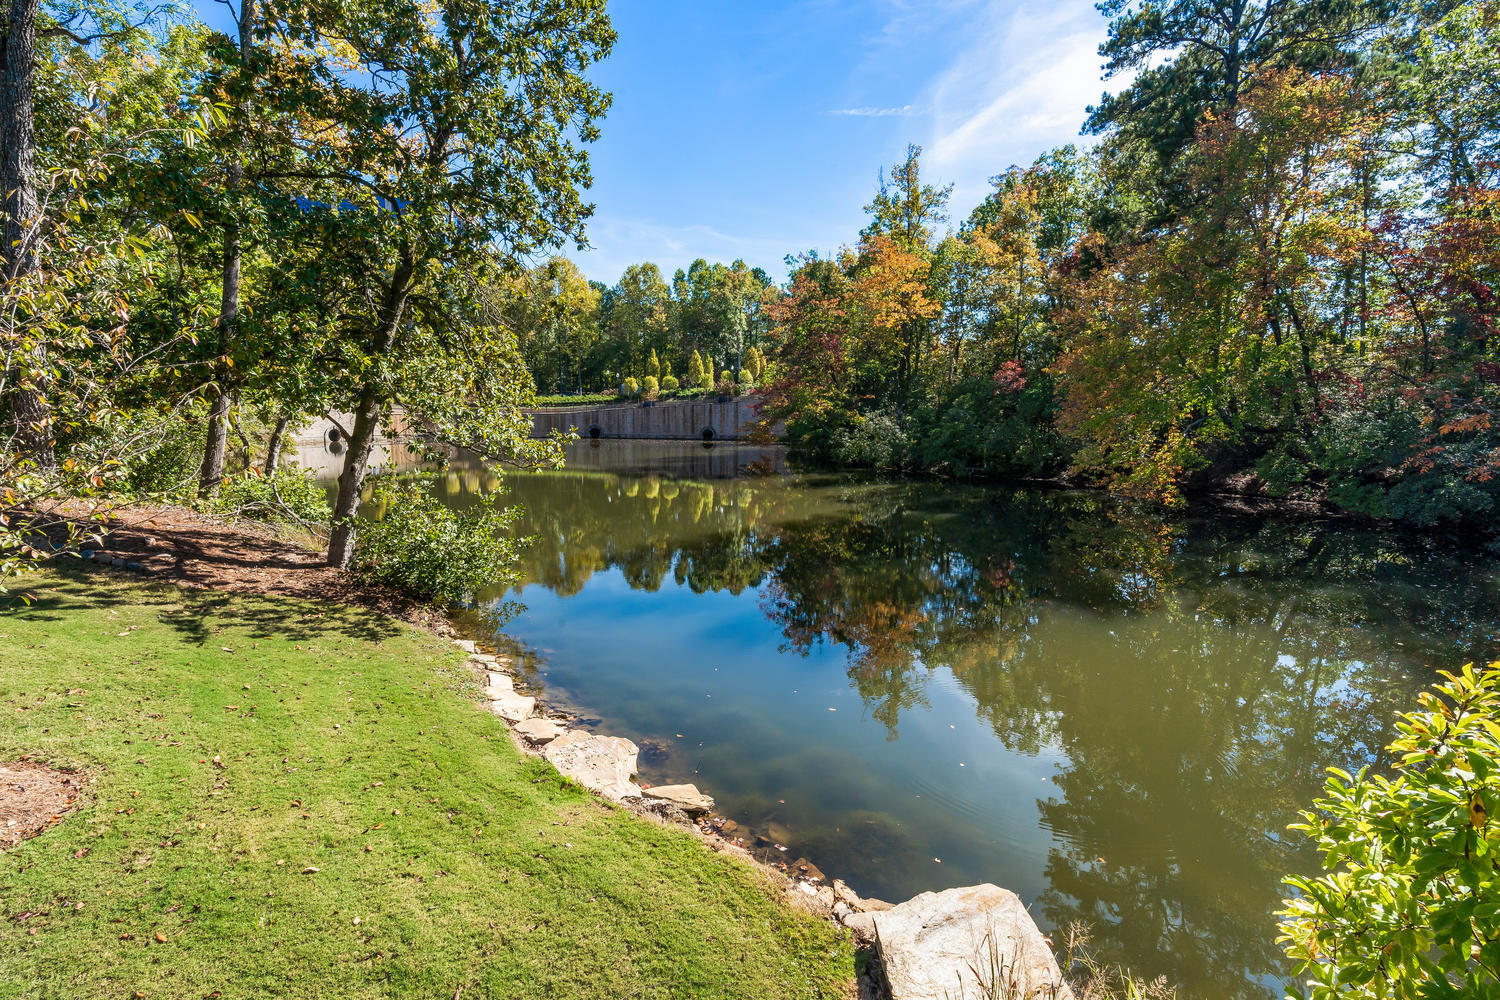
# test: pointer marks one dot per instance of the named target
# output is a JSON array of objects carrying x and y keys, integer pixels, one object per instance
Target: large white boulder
[
  {"x": 539, "y": 730},
  {"x": 510, "y": 706},
  {"x": 955, "y": 943},
  {"x": 604, "y": 764}
]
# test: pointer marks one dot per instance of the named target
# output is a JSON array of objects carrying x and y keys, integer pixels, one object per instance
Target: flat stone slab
[
  {"x": 604, "y": 764},
  {"x": 943, "y": 944},
  {"x": 539, "y": 730},
  {"x": 512, "y": 707},
  {"x": 467, "y": 645},
  {"x": 685, "y": 797},
  {"x": 497, "y": 684}
]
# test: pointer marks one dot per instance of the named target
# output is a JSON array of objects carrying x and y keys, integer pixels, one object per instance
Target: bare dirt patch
[
  {"x": 181, "y": 546},
  {"x": 33, "y": 797}
]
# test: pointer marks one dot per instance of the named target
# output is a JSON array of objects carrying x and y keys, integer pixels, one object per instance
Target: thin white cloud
[
  {"x": 1021, "y": 86},
  {"x": 903, "y": 111}
]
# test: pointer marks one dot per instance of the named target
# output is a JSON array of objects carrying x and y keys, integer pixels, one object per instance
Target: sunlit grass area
[{"x": 288, "y": 799}]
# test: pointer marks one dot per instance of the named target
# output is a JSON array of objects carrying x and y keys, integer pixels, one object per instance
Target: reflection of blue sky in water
[
  {"x": 1113, "y": 716},
  {"x": 757, "y": 728}
]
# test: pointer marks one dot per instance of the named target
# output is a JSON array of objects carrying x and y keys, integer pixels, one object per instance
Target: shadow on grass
[{"x": 196, "y": 614}]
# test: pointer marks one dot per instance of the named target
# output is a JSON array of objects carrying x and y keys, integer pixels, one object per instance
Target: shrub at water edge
[
  {"x": 431, "y": 551},
  {"x": 1411, "y": 905}
]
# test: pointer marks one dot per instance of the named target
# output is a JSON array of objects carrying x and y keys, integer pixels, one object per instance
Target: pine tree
[
  {"x": 695, "y": 369},
  {"x": 653, "y": 365}
]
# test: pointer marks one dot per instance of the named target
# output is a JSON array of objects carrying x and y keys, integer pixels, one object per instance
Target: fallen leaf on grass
[
  {"x": 310, "y": 870},
  {"x": 161, "y": 937}
]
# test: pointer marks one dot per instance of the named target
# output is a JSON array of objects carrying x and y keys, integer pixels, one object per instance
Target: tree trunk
[
  {"x": 352, "y": 479},
  {"x": 366, "y": 421},
  {"x": 1306, "y": 351},
  {"x": 273, "y": 447},
  {"x": 211, "y": 473},
  {"x": 30, "y": 415}
]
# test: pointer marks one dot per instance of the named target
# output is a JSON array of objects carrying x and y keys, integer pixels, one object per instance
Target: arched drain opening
[
  {"x": 595, "y": 431},
  {"x": 707, "y": 434}
]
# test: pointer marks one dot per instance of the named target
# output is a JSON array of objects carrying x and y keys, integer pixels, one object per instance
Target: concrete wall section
[{"x": 682, "y": 420}]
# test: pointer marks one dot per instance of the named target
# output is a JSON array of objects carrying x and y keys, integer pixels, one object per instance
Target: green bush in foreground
[
  {"x": 632, "y": 387},
  {"x": 669, "y": 383},
  {"x": 1411, "y": 907},
  {"x": 431, "y": 551}
]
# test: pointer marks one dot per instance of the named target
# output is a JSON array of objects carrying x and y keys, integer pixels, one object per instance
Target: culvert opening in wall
[
  {"x": 707, "y": 434},
  {"x": 596, "y": 431}
]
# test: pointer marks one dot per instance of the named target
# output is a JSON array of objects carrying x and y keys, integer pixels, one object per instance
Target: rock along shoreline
[{"x": 968, "y": 941}]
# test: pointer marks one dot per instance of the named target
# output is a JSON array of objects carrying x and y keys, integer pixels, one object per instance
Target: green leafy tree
[
  {"x": 67, "y": 367},
  {"x": 637, "y": 317},
  {"x": 493, "y": 104}
]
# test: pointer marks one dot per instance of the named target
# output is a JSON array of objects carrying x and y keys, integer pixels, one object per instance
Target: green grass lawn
[{"x": 236, "y": 744}]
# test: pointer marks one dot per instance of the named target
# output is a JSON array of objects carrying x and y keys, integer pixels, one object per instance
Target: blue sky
[{"x": 757, "y": 129}]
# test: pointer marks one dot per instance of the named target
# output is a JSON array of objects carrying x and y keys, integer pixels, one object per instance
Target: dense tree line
[
  {"x": 1277, "y": 267},
  {"x": 213, "y": 235},
  {"x": 582, "y": 336},
  {"x": 1275, "y": 270}
]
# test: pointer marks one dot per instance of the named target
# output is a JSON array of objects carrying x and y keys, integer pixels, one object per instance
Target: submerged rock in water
[
  {"x": 946, "y": 944},
  {"x": 603, "y": 764},
  {"x": 778, "y": 832},
  {"x": 685, "y": 797}
]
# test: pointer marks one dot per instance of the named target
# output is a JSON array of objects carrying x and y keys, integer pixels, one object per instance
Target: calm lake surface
[{"x": 918, "y": 685}]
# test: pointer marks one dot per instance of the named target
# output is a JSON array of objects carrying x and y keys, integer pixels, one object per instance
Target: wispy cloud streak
[{"x": 904, "y": 111}]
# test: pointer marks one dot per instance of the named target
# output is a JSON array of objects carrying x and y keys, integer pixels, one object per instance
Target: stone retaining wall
[{"x": 667, "y": 420}]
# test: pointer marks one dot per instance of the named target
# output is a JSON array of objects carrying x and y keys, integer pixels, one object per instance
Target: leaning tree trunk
[
  {"x": 211, "y": 473},
  {"x": 366, "y": 422},
  {"x": 273, "y": 446},
  {"x": 352, "y": 479},
  {"x": 29, "y": 413}
]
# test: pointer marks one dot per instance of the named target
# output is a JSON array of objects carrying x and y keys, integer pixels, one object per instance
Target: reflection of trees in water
[
  {"x": 1196, "y": 676},
  {"x": 1183, "y": 776}
]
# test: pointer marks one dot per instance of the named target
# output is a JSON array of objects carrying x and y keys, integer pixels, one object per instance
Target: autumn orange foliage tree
[{"x": 1214, "y": 331}]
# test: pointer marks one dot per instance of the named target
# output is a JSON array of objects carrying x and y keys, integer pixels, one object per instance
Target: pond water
[{"x": 917, "y": 685}]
